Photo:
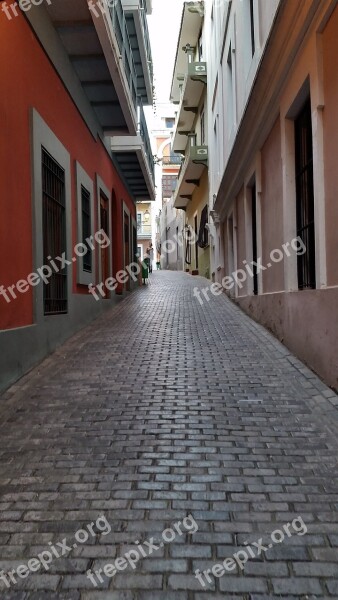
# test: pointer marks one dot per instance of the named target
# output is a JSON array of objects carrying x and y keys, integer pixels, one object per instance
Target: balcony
[
  {"x": 120, "y": 27},
  {"x": 192, "y": 88},
  {"x": 192, "y": 169},
  {"x": 136, "y": 18},
  {"x": 135, "y": 161},
  {"x": 91, "y": 50},
  {"x": 144, "y": 232},
  {"x": 173, "y": 159}
]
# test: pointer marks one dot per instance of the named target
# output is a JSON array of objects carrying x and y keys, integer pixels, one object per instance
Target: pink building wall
[
  {"x": 305, "y": 321},
  {"x": 330, "y": 118},
  {"x": 272, "y": 209}
]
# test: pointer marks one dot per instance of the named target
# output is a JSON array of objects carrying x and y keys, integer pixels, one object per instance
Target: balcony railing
[
  {"x": 144, "y": 230},
  {"x": 173, "y": 159},
  {"x": 123, "y": 40},
  {"x": 136, "y": 17},
  {"x": 147, "y": 38},
  {"x": 143, "y": 131}
]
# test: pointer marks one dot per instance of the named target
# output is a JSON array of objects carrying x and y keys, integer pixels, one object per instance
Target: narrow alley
[{"x": 162, "y": 411}]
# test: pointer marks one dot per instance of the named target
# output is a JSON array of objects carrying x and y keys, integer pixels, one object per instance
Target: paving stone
[
  {"x": 54, "y": 596},
  {"x": 243, "y": 584},
  {"x": 36, "y": 583},
  {"x": 165, "y": 565},
  {"x": 287, "y": 553},
  {"x": 188, "y": 582},
  {"x": 13, "y": 596},
  {"x": 191, "y": 551},
  {"x": 314, "y": 569},
  {"x": 150, "y": 595},
  {"x": 82, "y": 582},
  {"x": 138, "y": 581},
  {"x": 325, "y": 554},
  {"x": 150, "y": 414},
  {"x": 332, "y": 586},
  {"x": 285, "y": 597},
  {"x": 216, "y": 596},
  {"x": 297, "y": 586},
  {"x": 111, "y": 595}
]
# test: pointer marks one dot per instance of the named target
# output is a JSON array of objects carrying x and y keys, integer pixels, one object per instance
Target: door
[
  {"x": 254, "y": 238},
  {"x": 104, "y": 252},
  {"x": 231, "y": 250},
  {"x": 126, "y": 247},
  {"x": 305, "y": 198},
  {"x": 196, "y": 241}
]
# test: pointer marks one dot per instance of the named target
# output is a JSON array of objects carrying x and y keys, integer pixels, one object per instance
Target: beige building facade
[
  {"x": 169, "y": 220},
  {"x": 144, "y": 227}
]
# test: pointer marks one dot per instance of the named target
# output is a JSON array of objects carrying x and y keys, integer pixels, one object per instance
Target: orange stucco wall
[{"x": 28, "y": 80}]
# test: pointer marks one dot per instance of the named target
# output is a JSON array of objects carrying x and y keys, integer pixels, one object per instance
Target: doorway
[
  {"x": 104, "y": 252},
  {"x": 231, "y": 250},
  {"x": 196, "y": 241},
  {"x": 254, "y": 238},
  {"x": 127, "y": 247}
]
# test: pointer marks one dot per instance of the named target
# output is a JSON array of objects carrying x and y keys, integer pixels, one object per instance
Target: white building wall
[
  {"x": 172, "y": 237},
  {"x": 232, "y": 67},
  {"x": 232, "y": 70}
]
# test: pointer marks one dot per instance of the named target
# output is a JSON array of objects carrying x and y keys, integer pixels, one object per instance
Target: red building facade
[{"x": 63, "y": 101}]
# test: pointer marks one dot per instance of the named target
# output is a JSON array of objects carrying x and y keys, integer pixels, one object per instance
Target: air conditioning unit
[
  {"x": 198, "y": 71},
  {"x": 199, "y": 154}
]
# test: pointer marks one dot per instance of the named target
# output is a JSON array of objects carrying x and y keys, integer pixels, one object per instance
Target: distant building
[
  {"x": 144, "y": 227},
  {"x": 170, "y": 221},
  {"x": 190, "y": 137}
]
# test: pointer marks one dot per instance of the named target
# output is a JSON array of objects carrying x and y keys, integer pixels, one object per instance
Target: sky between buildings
[{"x": 164, "y": 25}]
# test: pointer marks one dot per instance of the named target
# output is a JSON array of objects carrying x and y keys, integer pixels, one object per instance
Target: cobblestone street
[{"x": 160, "y": 409}]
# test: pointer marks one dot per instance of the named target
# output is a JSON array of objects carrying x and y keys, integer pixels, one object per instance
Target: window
[
  {"x": 192, "y": 137},
  {"x": 135, "y": 247},
  {"x": 127, "y": 245},
  {"x": 170, "y": 123},
  {"x": 231, "y": 247},
  {"x": 86, "y": 228},
  {"x": 139, "y": 221},
  {"x": 168, "y": 182},
  {"x": 200, "y": 48},
  {"x": 55, "y": 298},
  {"x": 203, "y": 236},
  {"x": 85, "y": 264},
  {"x": 305, "y": 197},
  {"x": 177, "y": 246},
  {"x": 104, "y": 252},
  {"x": 230, "y": 92},
  {"x": 202, "y": 127},
  {"x": 252, "y": 27},
  {"x": 254, "y": 238},
  {"x": 196, "y": 243}
]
